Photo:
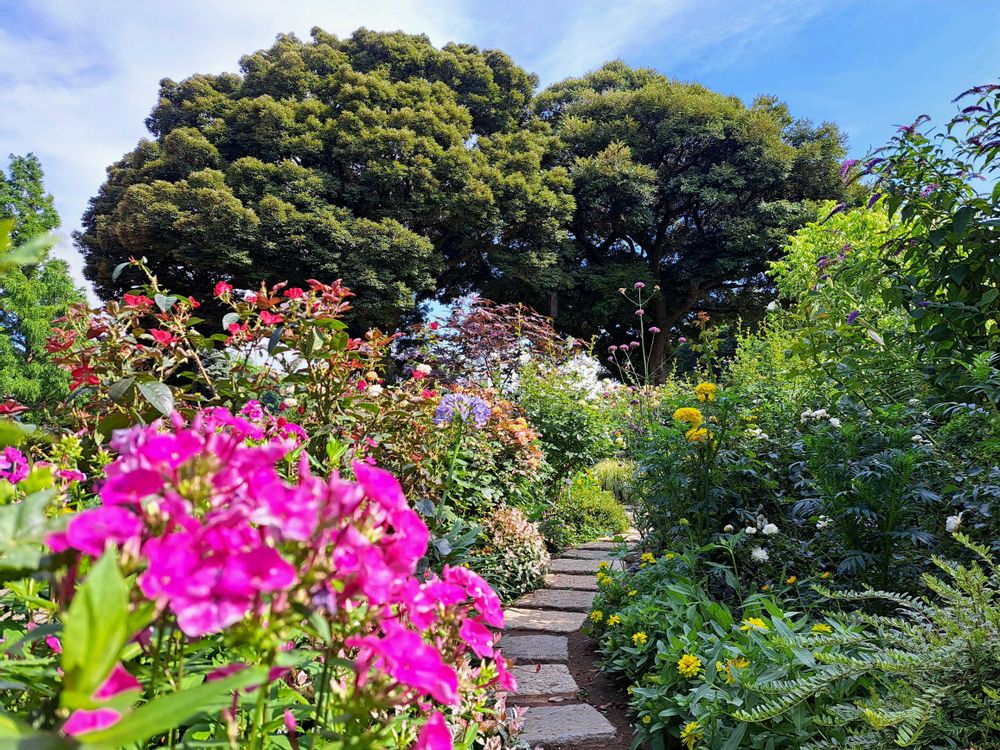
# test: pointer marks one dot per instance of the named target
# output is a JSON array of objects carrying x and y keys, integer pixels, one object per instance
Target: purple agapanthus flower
[
  {"x": 853, "y": 316},
  {"x": 13, "y": 465},
  {"x": 468, "y": 409}
]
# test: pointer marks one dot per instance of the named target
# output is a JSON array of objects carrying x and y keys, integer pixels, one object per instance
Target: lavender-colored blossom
[
  {"x": 874, "y": 199},
  {"x": 846, "y": 167},
  {"x": 639, "y": 285},
  {"x": 823, "y": 261},
  {"x": 844, "y": 251},
  {"x": 640, "y": 312},
  {"x": 682, "y": 340},
  {"x": 923, "y": 303},
  {"x": 928, "y": 189},
  {"x": 464, "y": 407},
  {"x": 612, "y": 348},
  {"x": 635, "y": 344},
  {"x": 853, "y": 316},
  {"x": 654, "y": 329}
]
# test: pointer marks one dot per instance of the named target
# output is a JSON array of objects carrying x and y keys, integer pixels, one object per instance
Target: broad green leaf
[
  {"x": 23, "y": 526},
  {"x": 159, "y": 396},
  {"x": 166, "y": 712},
  {"x": 30, "y": 253},
  {"x": 94, "y": 632},
  {"x": 118, "y": 270},
  {"x": 121, "y": 387},
  {"x": 228, "y": 319},
  {"x": 164, "y": 302},
  {"x": 275, "y": 338}
]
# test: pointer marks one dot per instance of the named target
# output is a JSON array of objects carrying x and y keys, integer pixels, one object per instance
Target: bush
[
  {"x": 513, "y": 558},
  {"x": 582, "y": 513},
  {"x": 617, "y": 477}
]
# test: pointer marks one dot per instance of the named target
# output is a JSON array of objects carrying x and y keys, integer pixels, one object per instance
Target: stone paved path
[{"x": 537, "y": 640}]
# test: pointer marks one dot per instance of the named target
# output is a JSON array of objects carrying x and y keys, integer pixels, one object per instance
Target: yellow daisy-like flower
[
  {"x": 765, "y": 587},
  {"x": 603, "y": 578},
  {"x": 825, "y": 575},
  {"x": 639, "y": 638},
  {"x": 603, "y": 565},
  {"x": 705, "y": 391},
  {"x": 688, "y": 414},
  {"x": 647, "y": 557},
  {"x": 689, "y": 665},
  {"x": 822, "y": 627},
  {"x": 754, "y": 623},
  {"x": 647, "y": 719},
  {"x": 596, "y": 616},
  {"x": 691, "y": 734},
  {"x": 696, "y": 435},
  {"x": 791, "y": 580},
  {"x": 669, "y": 556},
  {"x": 614, "y": 620},
  {"x": 633, "y": 592}
]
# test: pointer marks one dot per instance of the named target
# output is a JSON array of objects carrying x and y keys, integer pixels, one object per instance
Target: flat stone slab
[
  {"x": 544, "y": 620},
  {"x": 535, "y": 648},
  {"x": 573, "y": 724},
  {"x": 543, "y": 681},
  {"x": 568, "y": 599},
  {"x": 577, "y": 567},
  {"x": 607, "y": 546},
  {"x": 589, "y": 554},
  {"x": 571, "y": 581}
]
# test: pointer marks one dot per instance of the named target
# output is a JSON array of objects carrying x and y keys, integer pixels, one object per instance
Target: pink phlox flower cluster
[{"x": 13, "y": 465}]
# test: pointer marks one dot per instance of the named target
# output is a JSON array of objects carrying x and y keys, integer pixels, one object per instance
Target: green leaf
[
  {"x": 23, "y": 526},
  {"x": 94, "y": 632},
  {"x": 31, "y": 253},
  {"x": 118, "y": 270},
  {"x": 164, "y": 302},
  {"x": 229, "y": 318},
  {"x": 118, "y": 389},
  {"x": 165, "y": 713},
  {"x": 12, "y": 433},
  {"x": 159, "y": 396},
  {"x": 275, "y": 338}
]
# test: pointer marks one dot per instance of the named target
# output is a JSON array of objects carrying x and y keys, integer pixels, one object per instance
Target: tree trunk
[
  {"x": 664, "y": 318},
  {"x": 553, "y": 305}
]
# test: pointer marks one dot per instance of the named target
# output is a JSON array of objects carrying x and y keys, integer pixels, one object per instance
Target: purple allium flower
[
  {"x": 928, "y": 189},
  {"x": 874, "y": 199},
  {"x": 846, "y": 167},
  {"x": 634, "y": 344},
  {"x": 639, "y": 285},
  {"x": 640, "y": 312},
  {"x": 613, "y": 348},
  {"x": 853, "y": 316},
  {"x": 611, "y": 359},
  {"x": 464, "y": 407},
  {"x": 682, "y": 340},
  {"x": 654, "y": 330},
  {"x": 13, "y": 465}
]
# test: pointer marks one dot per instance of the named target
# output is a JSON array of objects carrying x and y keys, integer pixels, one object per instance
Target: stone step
[
  {"x": 542, "y": 682},
  {"x": 589, "y": 554},
  {"x": 568, "y": 599},
  {"x": 599, "y": 545},
  {"x": 574, "y": 724},
  {"x": 535, "y": 648},
  {"x": 574, "y": 567},
  {"x": 544, "y": 620},
  {"x": 571, "y": 581}
]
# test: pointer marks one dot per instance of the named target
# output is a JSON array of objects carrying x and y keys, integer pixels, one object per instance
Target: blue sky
[{"x": 77, "y": 77}]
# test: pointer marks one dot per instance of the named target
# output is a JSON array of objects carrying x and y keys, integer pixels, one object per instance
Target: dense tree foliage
[
  {"x": 31, "y": 297},
  {"x": 376, "y": 158},
  {"x": 679, "y": 186}
]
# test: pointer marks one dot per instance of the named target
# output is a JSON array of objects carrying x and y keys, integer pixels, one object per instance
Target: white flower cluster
[
  {"x": 953, "y": 522},
  {"x": 817, "y": 416},
  {"x": 918, "y": 439},
  {"x": 758, "y": 433},
  {"x": 823, "y": 521}
]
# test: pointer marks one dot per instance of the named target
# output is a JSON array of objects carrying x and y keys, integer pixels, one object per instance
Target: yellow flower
[
  {"x": 689, "y": 665},
  {"x": 696, "y": 435},
  {"x": 825, "y": 575},
  {"x": 633, "y": 592},
  {"x": 791, "y": 580},
  {"x": 647, "y": 557},
  {"x": 688, "y": 414},
  {"x": 639, "y": 638},
  {"x": 754, "y": 623},
  {"x": 603, "y": 565},
  {"x": 705, "y": 391},
  {"x": 603, "y": 578},
  {"x": 614, "y": 620},
  {"x": 669, "y": 556},
  {"x": 822, "y": 627},
  {"x": 765, "y": 587},
  {"x": 647, "y": 719},
  {"x": 596, "y": 615},
  {"x": 691, "y": 734}
]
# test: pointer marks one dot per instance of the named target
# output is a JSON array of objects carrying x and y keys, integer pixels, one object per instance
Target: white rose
[
  {"x": 750, "y": 530},
  {"x": 425, "y": 369},
  {"x": 820, "y": 414},
  {"x": 759, "y": 554},
  {"x": 375, "y": 390},
  {"x": 291, "y": 402},
  {"x": 770, "y": 529},
  {"x": 917, "y": 438},
  {"x": 953, "y": 522},
  {"x": 834, "y": 422},
  {"x": 772, "y": 305},
  {"x": 728, "y": 528}
]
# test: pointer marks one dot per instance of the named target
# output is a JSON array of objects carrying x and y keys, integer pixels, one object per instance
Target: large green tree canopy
[
  {"x": 679, "y": 186},
  {"x": 377, "y": 158},
  {"x": 31, "y": 297}
]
